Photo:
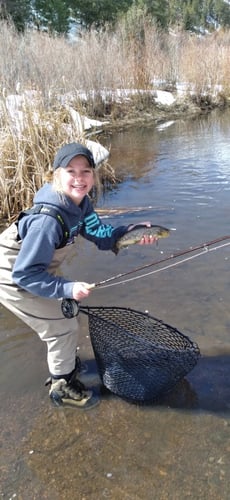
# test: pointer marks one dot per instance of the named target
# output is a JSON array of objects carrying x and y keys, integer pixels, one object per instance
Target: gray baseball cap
[{"x": 69, "y": 151}]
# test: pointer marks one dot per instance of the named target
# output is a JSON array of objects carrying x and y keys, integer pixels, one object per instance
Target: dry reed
[{"x": 133, "y": 56}]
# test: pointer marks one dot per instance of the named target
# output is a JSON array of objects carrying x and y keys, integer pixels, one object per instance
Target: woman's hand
[
  {"x": 146, "y": 239},
  {"x": 81, "y": 290}
]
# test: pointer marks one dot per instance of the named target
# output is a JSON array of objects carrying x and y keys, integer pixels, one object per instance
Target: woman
[{"x": 31, "y": 251}]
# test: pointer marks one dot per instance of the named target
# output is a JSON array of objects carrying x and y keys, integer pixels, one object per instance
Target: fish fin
[{"x": 115, "y": 249}]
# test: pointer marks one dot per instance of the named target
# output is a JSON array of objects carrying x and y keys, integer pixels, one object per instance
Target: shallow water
[{"x": 178, "y": 448}]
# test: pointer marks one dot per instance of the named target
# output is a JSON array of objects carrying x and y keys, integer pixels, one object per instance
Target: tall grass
[
  {"x": 135, "y": 55},
  {"x": 111, "y": 59},
  {"x": 26, "y": 156}
]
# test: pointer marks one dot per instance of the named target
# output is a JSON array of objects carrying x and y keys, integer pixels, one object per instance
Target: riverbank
[
  {"x": 31, "y": 134},
  {"x": 145, "y": 111}
]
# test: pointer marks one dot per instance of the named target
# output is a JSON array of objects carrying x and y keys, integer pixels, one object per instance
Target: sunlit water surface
[{"x": 180, "y": 448}]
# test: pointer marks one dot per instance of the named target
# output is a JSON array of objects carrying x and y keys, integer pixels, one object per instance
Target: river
[{"x": 178, "y": 175}]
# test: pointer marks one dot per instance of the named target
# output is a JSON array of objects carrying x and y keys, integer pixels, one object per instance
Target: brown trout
[{"x": 134, "y": 235}]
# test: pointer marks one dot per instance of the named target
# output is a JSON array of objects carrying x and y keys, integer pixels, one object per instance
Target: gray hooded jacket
[{"x": 40, "y": 235}]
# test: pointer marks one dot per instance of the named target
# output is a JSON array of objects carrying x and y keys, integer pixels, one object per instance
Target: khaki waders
[{"x": 41, "y": 314}]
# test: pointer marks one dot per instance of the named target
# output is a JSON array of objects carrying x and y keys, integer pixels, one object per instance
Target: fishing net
[{"x": 138, "y": 356}]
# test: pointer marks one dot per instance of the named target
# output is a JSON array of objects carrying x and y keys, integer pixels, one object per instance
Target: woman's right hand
[{"x": 81, "y": 290}]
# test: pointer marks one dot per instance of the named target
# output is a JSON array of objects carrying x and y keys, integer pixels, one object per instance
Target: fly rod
[
  {"x": 160, "y": 261},
  {"x": 70, "y": 307}
]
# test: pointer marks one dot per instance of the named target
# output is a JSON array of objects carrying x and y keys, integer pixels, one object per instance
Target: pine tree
[
  {"x": 18, "y": 11},
  {"x": 222, "y": 13},
  {"x": 52, "y": 15},
  {"x": 99, "y": 12},
  {"x": 157, "y": 9}
]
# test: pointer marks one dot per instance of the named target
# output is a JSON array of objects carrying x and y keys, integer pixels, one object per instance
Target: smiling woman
[
  {"x": 31, "y": 251},
  {"x": 77, "y": 179},
  {"x": 74, "y": 169}
]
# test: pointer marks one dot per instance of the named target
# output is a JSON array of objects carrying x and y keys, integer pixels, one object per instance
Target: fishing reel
[{"x": 70, "y": 308}]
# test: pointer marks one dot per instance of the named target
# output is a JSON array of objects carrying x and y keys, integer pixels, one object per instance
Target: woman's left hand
[{"x": 146, "y": 239}]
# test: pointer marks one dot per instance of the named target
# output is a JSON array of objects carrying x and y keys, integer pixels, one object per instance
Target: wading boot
[{"x": 71, "y": 392}]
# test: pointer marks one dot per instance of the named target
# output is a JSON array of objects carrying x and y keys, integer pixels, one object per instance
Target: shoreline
[
  {"x": 144, "y": 113},
  {"x": 129, "y": 115}
]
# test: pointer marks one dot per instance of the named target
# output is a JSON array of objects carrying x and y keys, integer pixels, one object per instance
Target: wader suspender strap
[{"x": 47, "y": 210}]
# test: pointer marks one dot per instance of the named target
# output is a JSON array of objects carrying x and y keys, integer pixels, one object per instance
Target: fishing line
[
  {"x": 205, "y": 250},
  {"x": 172, "y": 256}
]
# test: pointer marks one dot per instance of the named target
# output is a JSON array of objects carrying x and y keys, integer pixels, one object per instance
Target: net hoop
[{"x": 139, "y": 357}]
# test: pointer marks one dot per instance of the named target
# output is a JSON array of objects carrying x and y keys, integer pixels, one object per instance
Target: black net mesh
[{"x": 138, "y": 356}]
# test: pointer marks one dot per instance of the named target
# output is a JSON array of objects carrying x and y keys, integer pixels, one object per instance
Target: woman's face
[{"x": 77, "y": 179}]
